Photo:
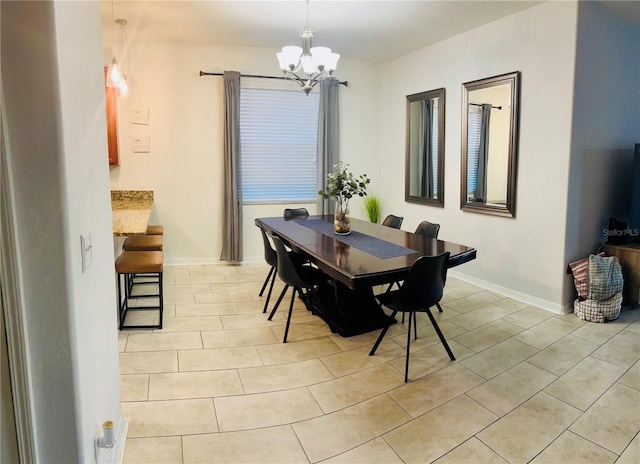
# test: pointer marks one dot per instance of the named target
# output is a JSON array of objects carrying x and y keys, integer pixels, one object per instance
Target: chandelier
[{"x": 307, "y": 65}]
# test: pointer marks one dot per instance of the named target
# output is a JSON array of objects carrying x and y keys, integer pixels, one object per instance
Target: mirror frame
[
  {"x": 512, "y": 79},
  {"x": 440, "y": 94}
]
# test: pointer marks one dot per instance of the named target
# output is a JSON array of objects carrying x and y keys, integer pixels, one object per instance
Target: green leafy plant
[
  {"x": 372, "y": 206},
  {"x": 343, "y": 185}
]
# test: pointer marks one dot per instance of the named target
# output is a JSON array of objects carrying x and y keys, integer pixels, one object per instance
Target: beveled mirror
[
  {"x": 490, "y": 110},
  {"x": 424, "y": 162}
]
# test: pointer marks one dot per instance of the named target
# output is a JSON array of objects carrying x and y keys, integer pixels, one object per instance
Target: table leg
[{"x": 351, "y": 312}]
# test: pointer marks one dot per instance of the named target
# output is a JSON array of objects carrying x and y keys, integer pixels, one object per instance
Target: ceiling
[
  {"x": 367, "y": 30},
  {"x": 371, "y": 31}
]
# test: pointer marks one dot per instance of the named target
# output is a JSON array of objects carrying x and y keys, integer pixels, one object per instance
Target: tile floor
[{"x": 216, "y": 385}]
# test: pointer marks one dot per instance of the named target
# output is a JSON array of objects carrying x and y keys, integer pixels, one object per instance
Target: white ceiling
[
  {"x": 367, "y": 30},
  {"x": 372, "y": 31}
]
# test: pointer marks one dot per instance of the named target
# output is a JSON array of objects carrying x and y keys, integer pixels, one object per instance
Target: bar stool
[
  {"x": 137, "y": 243},
  {"x": 143, "y": 243},
  {"x": 155, "y": 230},
  {"x": 139, "y": 262}
]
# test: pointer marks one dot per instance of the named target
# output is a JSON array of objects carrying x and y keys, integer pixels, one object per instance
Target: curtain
[
  {"x": 232, "y": 203},
  {"x": 328, "y": 153},
  {"x": 483, "y": 155},
  {"x": 426, "y": 149}
]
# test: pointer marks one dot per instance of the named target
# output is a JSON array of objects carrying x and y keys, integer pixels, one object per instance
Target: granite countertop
[{"x": 130, "y": 211}]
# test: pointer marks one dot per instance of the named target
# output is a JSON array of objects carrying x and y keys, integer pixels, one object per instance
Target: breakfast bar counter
[{"x": 130, "y": 211}]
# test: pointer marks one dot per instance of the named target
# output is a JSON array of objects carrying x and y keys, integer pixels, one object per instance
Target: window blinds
[{"x": 278, "y": 143}]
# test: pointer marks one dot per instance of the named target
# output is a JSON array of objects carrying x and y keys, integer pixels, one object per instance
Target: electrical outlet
[{"x": 87, "y": 255}]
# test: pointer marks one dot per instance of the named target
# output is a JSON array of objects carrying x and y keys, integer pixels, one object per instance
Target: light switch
[{"x": 87, "y": 256}]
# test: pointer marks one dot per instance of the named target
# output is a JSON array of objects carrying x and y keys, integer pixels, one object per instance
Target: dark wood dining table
[{"x": 348, "y": 305}]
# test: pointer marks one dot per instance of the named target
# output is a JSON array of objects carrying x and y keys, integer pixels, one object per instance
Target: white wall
[
  {"x": 523, "y": 257},
  {"x": 184, "y": 168},
  {"x": 52, "y": 84},
  {"x": 606, "y": 125}
]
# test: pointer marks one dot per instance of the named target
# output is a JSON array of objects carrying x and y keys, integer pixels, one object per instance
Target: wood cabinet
[
  {"x": 629, "y": 257},
  {"x": 111, "y": 97}
]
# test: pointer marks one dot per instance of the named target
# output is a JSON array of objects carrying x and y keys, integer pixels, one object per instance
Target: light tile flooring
[{"x": 217, "y": 385}]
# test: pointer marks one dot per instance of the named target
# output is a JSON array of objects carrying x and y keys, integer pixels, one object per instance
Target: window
[
  {"x": 473, "y": 148},
  {"x": 278, "y": 144}
]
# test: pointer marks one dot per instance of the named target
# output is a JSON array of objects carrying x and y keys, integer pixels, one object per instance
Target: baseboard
[
  {"x": 207, "y": 261},
  {"x": 547, "y": 305}
]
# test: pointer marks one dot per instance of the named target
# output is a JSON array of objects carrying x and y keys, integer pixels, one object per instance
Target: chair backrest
[
  {"x": 428, "y": 228},
  {"x": 269, "y": 252},
  {"x": 296, "y": 213},
  {"x": 393, "y": 221},
  {"x": 286, "y": 268},
  {"x": 423, "y": 285}
]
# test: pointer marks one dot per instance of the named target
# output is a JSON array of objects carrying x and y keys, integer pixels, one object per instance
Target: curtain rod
[
  {"x": 480, "y": 104},
  {"x": 202, "y": 73}
]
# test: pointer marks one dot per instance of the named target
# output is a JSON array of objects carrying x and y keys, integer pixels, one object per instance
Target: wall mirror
[
  {"x": 490, "y": 145},
  {"x": 424, "y": 163}
]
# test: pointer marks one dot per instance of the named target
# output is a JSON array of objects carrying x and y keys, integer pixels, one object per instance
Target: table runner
[{"x": 371, "y": 245}]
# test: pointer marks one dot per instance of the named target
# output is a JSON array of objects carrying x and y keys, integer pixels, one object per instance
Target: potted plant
[
  {"x": 343, "y": 185},
  {"x": 372, "y": 206}
]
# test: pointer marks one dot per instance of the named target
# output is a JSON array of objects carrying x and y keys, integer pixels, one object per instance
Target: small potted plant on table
[{"x": 343, "y": 185}]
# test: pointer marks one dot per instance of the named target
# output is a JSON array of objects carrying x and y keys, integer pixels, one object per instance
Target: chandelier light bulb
[
  {"x": 289, "y": 58},
  {"x": 332, "y": 62},
  {"x": 113, "y": 74},
  {"x": 123, "y": 86}
]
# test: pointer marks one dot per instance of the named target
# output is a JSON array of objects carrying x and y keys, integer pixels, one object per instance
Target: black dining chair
[
  {"x": 299, "y": 277},
  {"x": 428, "y": 229},
  {"x": 271, "y": 259},
  {"x": 393, "y": 221},
  {"x": 296, "y": 213},
  {"x": 422, "y": 288}
]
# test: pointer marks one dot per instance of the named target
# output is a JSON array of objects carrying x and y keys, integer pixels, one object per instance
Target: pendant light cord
[{"x": 113, "y": 32}]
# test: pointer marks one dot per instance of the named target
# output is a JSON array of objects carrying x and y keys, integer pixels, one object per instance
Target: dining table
[{"x": 354, "y": 264}]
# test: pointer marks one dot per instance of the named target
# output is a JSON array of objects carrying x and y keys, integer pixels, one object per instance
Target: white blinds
[{"x": 278, "y": 143}]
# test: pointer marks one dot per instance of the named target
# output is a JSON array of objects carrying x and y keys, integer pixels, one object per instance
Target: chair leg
[
  {"x": 160, "y": 299},
  {"x": 389, "y": 287},
  {"x": 275, "y": 308},
  {"x": 439, "y": 307},
  {"x": 266, "y": 303},
  {"x": 444, "y": 342},
  {"x": 406, "y": 365},
  {"x": 381, "y": 336},
  {"x": 286, "y": 329},
  {"x": 264, "y": 285},
  {"x": 415, "y": 325}
]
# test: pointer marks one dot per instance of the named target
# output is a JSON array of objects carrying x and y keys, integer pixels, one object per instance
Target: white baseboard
[
  {"x": 207, "y": 261},
  {"x": 547, "y": 305}
]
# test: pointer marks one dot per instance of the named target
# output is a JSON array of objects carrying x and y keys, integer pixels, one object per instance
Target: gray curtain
[
  {"x": 426, "y": 149},
  {"x": 232, "y": 203},
  {"x": 483, "y": 154},
  {"x": 328, "y": 153}
]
